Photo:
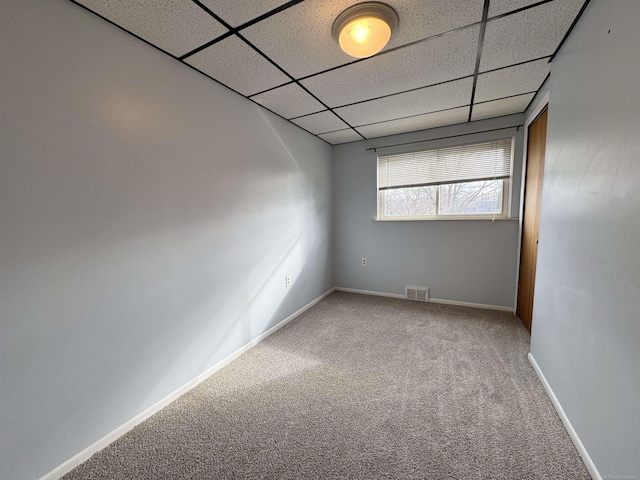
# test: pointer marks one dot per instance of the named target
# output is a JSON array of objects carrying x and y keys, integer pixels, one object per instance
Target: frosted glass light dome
[{"x": 364, "y": 29}]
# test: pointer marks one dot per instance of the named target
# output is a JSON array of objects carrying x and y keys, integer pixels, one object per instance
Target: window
[{"x": 467, "y": 181}]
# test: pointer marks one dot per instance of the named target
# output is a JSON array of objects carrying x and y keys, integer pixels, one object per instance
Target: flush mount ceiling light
[{"x": 364, "y": 29}]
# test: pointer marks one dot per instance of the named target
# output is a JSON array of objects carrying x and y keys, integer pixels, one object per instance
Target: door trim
[{"x": 542, "y": 104}]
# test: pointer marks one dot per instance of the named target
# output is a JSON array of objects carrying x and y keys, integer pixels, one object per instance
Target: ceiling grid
[{"x": 450, "y": 61}]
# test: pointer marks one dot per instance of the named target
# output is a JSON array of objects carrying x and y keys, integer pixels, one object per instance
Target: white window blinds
[{"x": 466, "y": 163}]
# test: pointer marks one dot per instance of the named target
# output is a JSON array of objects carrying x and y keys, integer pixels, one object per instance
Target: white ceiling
[{"x": 450, "y": 61}]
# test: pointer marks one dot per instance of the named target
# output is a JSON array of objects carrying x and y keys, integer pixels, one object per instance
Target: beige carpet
[{"x": 360, "y": 387}]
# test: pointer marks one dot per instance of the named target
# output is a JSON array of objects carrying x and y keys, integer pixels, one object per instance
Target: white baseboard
[
  {"x": 470, "y": 304},
  {"x": 593, "y": 471},
  {"x": 369, "y": 292},
  {"x": 85, "y": 454},
  {"x": 432, "y": 300}
]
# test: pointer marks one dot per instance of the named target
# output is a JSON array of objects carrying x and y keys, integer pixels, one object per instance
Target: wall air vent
[{"x": 419, "y": 294}]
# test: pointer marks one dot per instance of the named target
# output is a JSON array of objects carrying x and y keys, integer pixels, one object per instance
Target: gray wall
[
  {"x": 469, "y": 261},
  {"x": 148, "y": 217},
  {"x": 586, "y": 324},
  {"x": 537, "y": 100}
]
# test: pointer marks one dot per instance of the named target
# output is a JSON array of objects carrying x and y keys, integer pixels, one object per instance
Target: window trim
[{"x": 506, "y": 195}]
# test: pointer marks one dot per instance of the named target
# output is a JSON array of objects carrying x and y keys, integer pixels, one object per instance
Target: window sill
[{"x": 446, "y": 219}]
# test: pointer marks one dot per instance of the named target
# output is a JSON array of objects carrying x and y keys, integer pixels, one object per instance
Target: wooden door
[{"x": 536, "y": 142}]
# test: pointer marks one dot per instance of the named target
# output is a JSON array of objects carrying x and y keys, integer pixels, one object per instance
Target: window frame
[{"x": 507, "y": 184}]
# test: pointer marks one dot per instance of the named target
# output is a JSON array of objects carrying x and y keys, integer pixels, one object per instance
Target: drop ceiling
[{"x": 450, "y": 61}]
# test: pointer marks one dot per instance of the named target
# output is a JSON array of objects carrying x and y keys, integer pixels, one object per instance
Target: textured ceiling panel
[
  {"x": 512, "y": 81},
  {"x": 289, "y": 101},
  {"x": 299, "y": 39},
  {"x": 237, "y": 12},
  {"x": 425, "y": 100},
  {"x": 423, "y": 78},
  {"x": 321, "y": 122},
  {"x": 236, "y": 64},
  {"x": 419, "y": 122},
  {"x": 530, "y": 34},
  {"x": 498, "y": 7},
  {"x": 175, "y": 26},
  {"x": 341, "y": 136},
  {"x": 497, "y": 108},
  {"x": 442, "y": 58}
]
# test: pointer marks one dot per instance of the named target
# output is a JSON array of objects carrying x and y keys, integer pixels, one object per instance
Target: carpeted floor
[{"x": 360, "y": 387}]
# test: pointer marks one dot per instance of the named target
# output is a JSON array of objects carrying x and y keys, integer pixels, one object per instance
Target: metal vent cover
[{"x": 418, "y": 294}]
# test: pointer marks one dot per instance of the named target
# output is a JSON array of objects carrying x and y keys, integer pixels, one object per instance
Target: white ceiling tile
[
  {"x": 289, "y": 101},
  {"x": 237, "y": 65},
  {"x": 530, "y": 34},
  {"x": 412, "y": 87},
  {"x": 176, "y": 26},
  {"x": 426, "y": 100},
  {"x": 512, "y": 80},
  {"x": 437, "y": 60},
  {"x": 498, "y": 7},
  {"x": 320, "y": 122},
  {"x": 505, "y": 106},
  {"x": 237, "y": 12},
  {"x": 418, "y": 122},
  {"x": 341, "y": 136},
  {"x": 299, "y": 38}
]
